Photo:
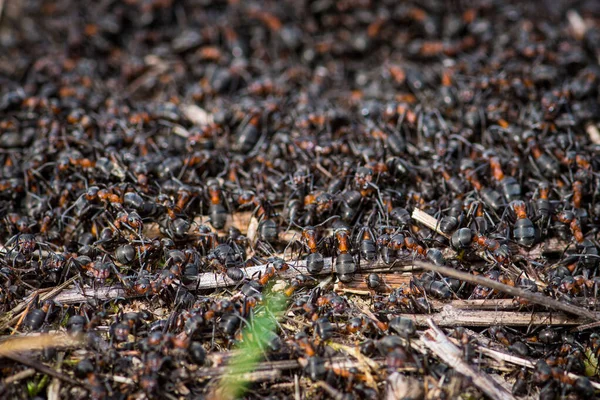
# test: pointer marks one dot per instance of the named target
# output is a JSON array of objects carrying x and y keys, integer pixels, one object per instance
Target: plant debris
[{"x": 307, "y": 199}]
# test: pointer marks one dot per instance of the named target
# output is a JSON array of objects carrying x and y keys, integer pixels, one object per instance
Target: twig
[
  {"x": 536, "y": 298},
  {"x": 23, "y": 315},
  {"x": 74, "y": 295},
  {"x": 44, "y": 369},
  {"x": 482, "y": 304},
  {"x": 429, "y": 221},
  {"x": 261, "y": 376},
  {"x": 206, "y": 280},
  {"x": 296, "y": 387},
  {"x": 54, "y": 387},
  {"x": 450, "y": 317},
  {"x": 509, "y": 358},
  {"x": 341, "y": 362},
  {"x": 587, "y": 326},
  {"x": 323, "y": 170},
  {"x": 11, "y": 344},
  {"x": 27, "y": 373},
  {"x": 394, "y": 281},
  {"x": 439, "y": 344},
  {"x": 492, "y": 349},
  {"x": 284, "y": 365},
  {"x": 121, "y": 379},
  {"x": 13, "y": 315},
  {"x": 331, "y": 391},
  {"x": 493, "y": 304}
]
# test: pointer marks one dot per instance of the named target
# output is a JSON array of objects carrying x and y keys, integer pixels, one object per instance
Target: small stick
[
  {"x": 11, "y": 344},
  {"x": 587, "y": 326},
  {"x": 393, "y": 281},
  {"x": 44, "y": 369},
  {"x": 451, "y": 317},
  {"x": 536, "y": 298},
  {"x": 486, "y": 304},
  {"x": 494, "y": 350},
  {"x": 501, "y": 356},
  {"x": 23, "y": 315},
  {"x": 296, "y": 387},
  {"x": 429, "y": 221},
  {"x": 284, "y": 365},
  {"x": 27, "y": 373},
  {"x": 438, "y": 343},
  {"x": 53, "y": 391},
  {"x": 331, "y": 391},
  {"x": 208, "y": 280},
  {"x": 13, "y": 315},
  {"x": 324, "y": 171}
]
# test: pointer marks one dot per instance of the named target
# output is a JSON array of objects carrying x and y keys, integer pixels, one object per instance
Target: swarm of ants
[{"x": 167, "y": 165}]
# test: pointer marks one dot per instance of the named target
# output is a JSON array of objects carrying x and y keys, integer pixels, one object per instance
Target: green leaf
[
  {"x": 591, "y": 363},
  {"x": 233, "y": 385},
  {"x": 31, "y": 388}
]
